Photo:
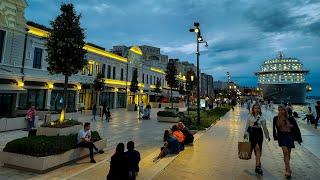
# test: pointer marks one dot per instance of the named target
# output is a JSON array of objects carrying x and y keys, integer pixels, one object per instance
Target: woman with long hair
[
  {"x": 119, "y": 168},
  {"x": 286, "y": 131},
  {"x": 255, "y": 128}
]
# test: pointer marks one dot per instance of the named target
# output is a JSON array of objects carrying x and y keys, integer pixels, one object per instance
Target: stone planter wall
[
  {"x": 9, "y": 124},
  {"x": 48, "y": 163},
  {"x": 58, "y": 131},
  {"x": 168, "y": 119}
]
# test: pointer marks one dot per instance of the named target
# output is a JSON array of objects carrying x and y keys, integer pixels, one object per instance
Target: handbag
[
  {"x": 244, "y": 150},
  {"x": 249, "y": 130}
]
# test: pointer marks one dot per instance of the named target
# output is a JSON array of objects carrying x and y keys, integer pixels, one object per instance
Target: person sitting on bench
[{"x": 84, "y": 140}]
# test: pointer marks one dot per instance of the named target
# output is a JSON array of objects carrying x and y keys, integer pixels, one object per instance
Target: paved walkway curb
[{"x": 151, "y": 169}]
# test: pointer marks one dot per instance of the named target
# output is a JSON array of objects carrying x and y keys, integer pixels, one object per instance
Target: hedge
[
  {"x": 167, "y": 114},
  {"x": 41, "y": 146}
]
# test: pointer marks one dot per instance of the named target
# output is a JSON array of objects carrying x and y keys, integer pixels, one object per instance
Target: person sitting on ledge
[
  {"x": 133, "y": 160},
  {"x": 186, "y": 132},
  {"x": 84, "y": 140},
  {"x": 179, "y": 135},
  {"x": 171, "y": 145}
]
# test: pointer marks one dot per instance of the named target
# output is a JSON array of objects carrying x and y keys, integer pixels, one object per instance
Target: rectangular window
[
  {"x": 90, "y": 69},
  {"x": 151, "y": 79},
  {"x": 98, "y": 70},
  {"x": 109, "y": 72},
  {"x": 147, "y": 79},
  {"x": 142, "y": 78},
  {"x": 121, "y": 75},
  {"x": 103, "y": 70},
  {"x": 2, "y": 37},
  {"x": 37, "y": 58},
  {"x": 83, "y": 72},
  {"x": 35, "y": 97},
  {"x": 114, "y": 72},
  {"x": 154, "y": 80}
]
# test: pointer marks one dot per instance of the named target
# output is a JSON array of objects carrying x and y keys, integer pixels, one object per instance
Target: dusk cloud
[{"x": 241, "y": 34}]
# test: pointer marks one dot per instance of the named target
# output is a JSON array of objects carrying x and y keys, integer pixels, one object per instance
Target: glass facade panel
[
  {"x": 57, "y": 100},
  {"x": 107, "y": 98},
  {"x": 2, "y": 38},
  {"x": 35, "y": 97}
]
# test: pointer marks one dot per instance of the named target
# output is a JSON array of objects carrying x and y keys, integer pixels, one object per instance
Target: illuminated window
[
  {"x": 98, "y": 70},
  {"x": 90, "y": 69},
  {"x": 83, "y": 72}
]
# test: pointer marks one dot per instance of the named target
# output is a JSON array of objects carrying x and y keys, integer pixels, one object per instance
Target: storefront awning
[{"x": 10, "y": 88}]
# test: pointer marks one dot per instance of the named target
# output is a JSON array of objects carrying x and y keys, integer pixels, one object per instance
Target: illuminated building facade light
[{"x": 157, "y": 70}]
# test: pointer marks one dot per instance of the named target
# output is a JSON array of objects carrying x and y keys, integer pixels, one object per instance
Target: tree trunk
[
  {"x": 171, "y": 98},
  {"x": 65, "y": 99}
]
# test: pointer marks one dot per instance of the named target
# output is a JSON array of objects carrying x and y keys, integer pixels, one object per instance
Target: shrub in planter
[
  {"x": 64, "y": 124},
  {"x": 177, "y": 109},
  {"x": 166, "y": 114},
  {"x": 41, "y": 146}
]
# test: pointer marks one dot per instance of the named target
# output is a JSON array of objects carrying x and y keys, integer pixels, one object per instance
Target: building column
[
  {"x": 48, "y": 99},
  {"x": 77, "y": 100},
  {"x": 115, "y": 99},
  {"x": 17, "y": 101}
]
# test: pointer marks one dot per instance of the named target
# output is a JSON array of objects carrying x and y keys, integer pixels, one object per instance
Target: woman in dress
[
  {"x": 286, "y": 131},
  {"x": 255, "y": 128}
]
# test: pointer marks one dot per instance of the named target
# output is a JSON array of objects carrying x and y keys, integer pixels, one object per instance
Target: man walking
[{"x": 84, "y": 140}]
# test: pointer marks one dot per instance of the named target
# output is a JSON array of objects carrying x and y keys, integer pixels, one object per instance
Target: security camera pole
[{"x": 199, "y": 40}]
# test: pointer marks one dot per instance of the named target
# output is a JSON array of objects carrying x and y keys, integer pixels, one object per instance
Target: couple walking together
[{"x": 285, "y": 131}]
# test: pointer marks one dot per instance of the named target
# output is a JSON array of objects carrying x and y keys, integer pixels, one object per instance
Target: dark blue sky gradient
[{"x": 241, "y": 34}]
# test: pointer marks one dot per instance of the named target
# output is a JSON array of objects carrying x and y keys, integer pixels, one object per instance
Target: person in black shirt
[
  {"x": 119, "y": 164},
  {"x": 133, "y": 160}
]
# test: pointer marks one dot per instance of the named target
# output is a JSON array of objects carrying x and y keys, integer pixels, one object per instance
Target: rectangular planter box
[
  {"x": 48, "y": 163},
  {"x": 8, "y": 124},
  {"x": 168, "y": 119},
  {"x": 58, "y": 131}
]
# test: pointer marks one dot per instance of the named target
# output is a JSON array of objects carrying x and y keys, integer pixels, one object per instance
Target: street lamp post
[{"x": 199, "y": 40}]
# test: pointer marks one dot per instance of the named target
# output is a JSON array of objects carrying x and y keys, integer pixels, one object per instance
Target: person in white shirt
[
  {"x": 84, "y": 140},
  {"x": 255, "y": 128}
]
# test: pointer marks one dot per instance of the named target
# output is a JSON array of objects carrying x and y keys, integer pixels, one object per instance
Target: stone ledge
[
  {"x": 150, "y": 169},
  {"x": 168, "y": 119},
  {"x": 45, "y": 164},
  {"x": 46, "y": 131}
]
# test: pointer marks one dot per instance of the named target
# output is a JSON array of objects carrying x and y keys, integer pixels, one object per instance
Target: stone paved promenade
[
  {"x": 124, "y": 126},
  {"x": 214, "y": 156}
]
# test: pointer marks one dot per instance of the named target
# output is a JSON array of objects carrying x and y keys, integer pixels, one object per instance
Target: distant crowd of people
[{"x": 311, "y": 117}]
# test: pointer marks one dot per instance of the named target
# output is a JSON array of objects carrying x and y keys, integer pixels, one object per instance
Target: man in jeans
[{"x": 84, "y": 140}]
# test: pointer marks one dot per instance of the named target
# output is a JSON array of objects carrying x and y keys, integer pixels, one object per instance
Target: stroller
[{"x": 146, "y": 114}]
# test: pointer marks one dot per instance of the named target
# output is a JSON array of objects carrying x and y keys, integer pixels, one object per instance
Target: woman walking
[
  {"x": 256, "y": 126},
  {"x": 286, "y": 131}
]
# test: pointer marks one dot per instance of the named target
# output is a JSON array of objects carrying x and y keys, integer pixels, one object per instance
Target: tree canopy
[{"x": 65, "y": 44}]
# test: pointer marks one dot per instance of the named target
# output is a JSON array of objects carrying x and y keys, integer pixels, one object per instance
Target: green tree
[
  {"x": 134, "y": 86},
  {"x": 182, "y": 91},
  {"x": 98, "y": 86},
  {"x": 171, "y": 77},
  {"x": 65, "y": 47}
]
